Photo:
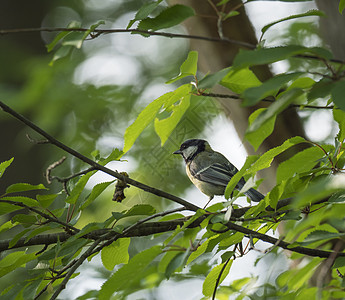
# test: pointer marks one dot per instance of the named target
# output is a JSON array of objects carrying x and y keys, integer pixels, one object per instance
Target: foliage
[{"x": 49, "y": 233}]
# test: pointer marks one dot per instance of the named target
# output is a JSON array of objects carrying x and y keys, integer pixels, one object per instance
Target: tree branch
[
  {"x": 42, "y": 214},
  {"x": 97, "y": 32},
  {"x": 95, "y": 165},
  {"x": 145, "y": 229},
  {"x": 238, "y": 97}
]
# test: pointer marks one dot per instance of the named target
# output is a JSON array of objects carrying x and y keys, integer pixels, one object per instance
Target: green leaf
[
  {"x": 233, "y": 239},
  {"x": 46, "y": 200},
  {"x": 14, "y": 261},
  {"x": 339, "y": 262},
  {"x": 58, "y": 37},
  {"x": 165, "y": 126},
  {"x": 23, "y": 187},
  {"x": 8, "y": 208},
  {"x": 60, "y": 53},
  {"x": 320, "y": 189},
  {"x": 321, "y": 89},
  {"x": 96, "y": 191},
  {"x": 169, "y": 17},
  {"x": 77, "y": 190},
  {"x": 25, "y": 200},
  {"x": 4, "y": 165},
  {"x": 144, "y": 12},
  {"x": 257, "y": 137},
  {"x": 268, "y": 88},
  {"x": 307, "y": 14},
  {"x": 275, "y": 108},
  {"x": 266, "y": 159},
  {"x": 302, "y": 161},
  {"x": 16, "y": 238},
  {"x": 341, "y": 6},
  {"x": 320, "y": 235},
  {"x": 75, "y": 39},
  {"x": 7, "y": 225},
  {"x": 116, "y": 253},
  {"x": 129, "y": 273},
  {"x": 232, "y": 13},
  {"x": 177, "y": 262},
  {"x": 302, "y": 83},
  {"x": 36, "y": 232},
  {"x": 210, "y": 80},
  {"x": 116, "y": 154},
  {"x": 339, "y": 117},
  {"x": 146, "y": 116},
  {"x": 236, "y": 178},
  {"x": 25, "y": 220},
  {"x": 263, "y": 56},
  {"x": 201, "y": 249},
  {"x": 296, "y": 278},
  {"x": 140, "y": 210},
  {"x": 188, "y": 68},
  {"x": 338, "y": 92},
  {"x": 240, "y": 80},
  {"x": 70, "y": 39},
  {"x": 211, "y": 279}
]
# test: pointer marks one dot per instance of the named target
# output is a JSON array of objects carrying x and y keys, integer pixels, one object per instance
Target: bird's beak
[{"x": 177, "y": 152}]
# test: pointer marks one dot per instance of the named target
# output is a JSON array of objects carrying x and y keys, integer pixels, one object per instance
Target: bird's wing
[{"x": 217, "y": 174}]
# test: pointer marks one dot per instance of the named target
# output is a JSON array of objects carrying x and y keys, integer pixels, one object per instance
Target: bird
[{"x": 211, "y": 171}]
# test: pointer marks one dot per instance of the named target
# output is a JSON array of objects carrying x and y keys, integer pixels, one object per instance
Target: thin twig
[
  {"x": 237, "y": 97},
  {"x": 218, "y": 278},
  {"x": 95, "y": 165},
  {"x": 71, "y": 271},
  {"x": 97, "y": 32},
  {"x": 36, "y": 141},
  {"x": 42, "y": 214},
  {"x": 48, "y": 176}
]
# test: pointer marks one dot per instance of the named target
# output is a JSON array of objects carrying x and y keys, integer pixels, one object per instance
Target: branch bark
[{"x": 95, "y": 165}]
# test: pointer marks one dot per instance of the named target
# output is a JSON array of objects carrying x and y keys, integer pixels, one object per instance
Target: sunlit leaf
[
  {"x": 130, "y": 272},
  {"x": 116, "y": 253},
  {"x": 164, "y": 127},
  {"x": 240, "y": 80},
  {"x": 188, "y": 68},
  {"x": 145, "y": 117},
  {"x": 4, "y": 165}
]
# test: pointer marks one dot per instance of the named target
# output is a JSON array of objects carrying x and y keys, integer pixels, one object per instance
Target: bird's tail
[{"x": 254, "y": 195}]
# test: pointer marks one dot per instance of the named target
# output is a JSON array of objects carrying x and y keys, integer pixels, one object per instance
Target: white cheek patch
[{"x": 189, "y": 152}]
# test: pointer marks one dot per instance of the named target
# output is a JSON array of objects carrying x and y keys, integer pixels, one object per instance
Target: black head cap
[{"x": 190, "y": 148}]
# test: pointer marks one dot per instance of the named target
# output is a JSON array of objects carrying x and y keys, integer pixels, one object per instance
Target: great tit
[{"x": 210, "y": 171}]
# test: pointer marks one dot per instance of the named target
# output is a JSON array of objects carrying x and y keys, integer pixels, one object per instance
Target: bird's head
[{"x": 190, "y": 148}]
